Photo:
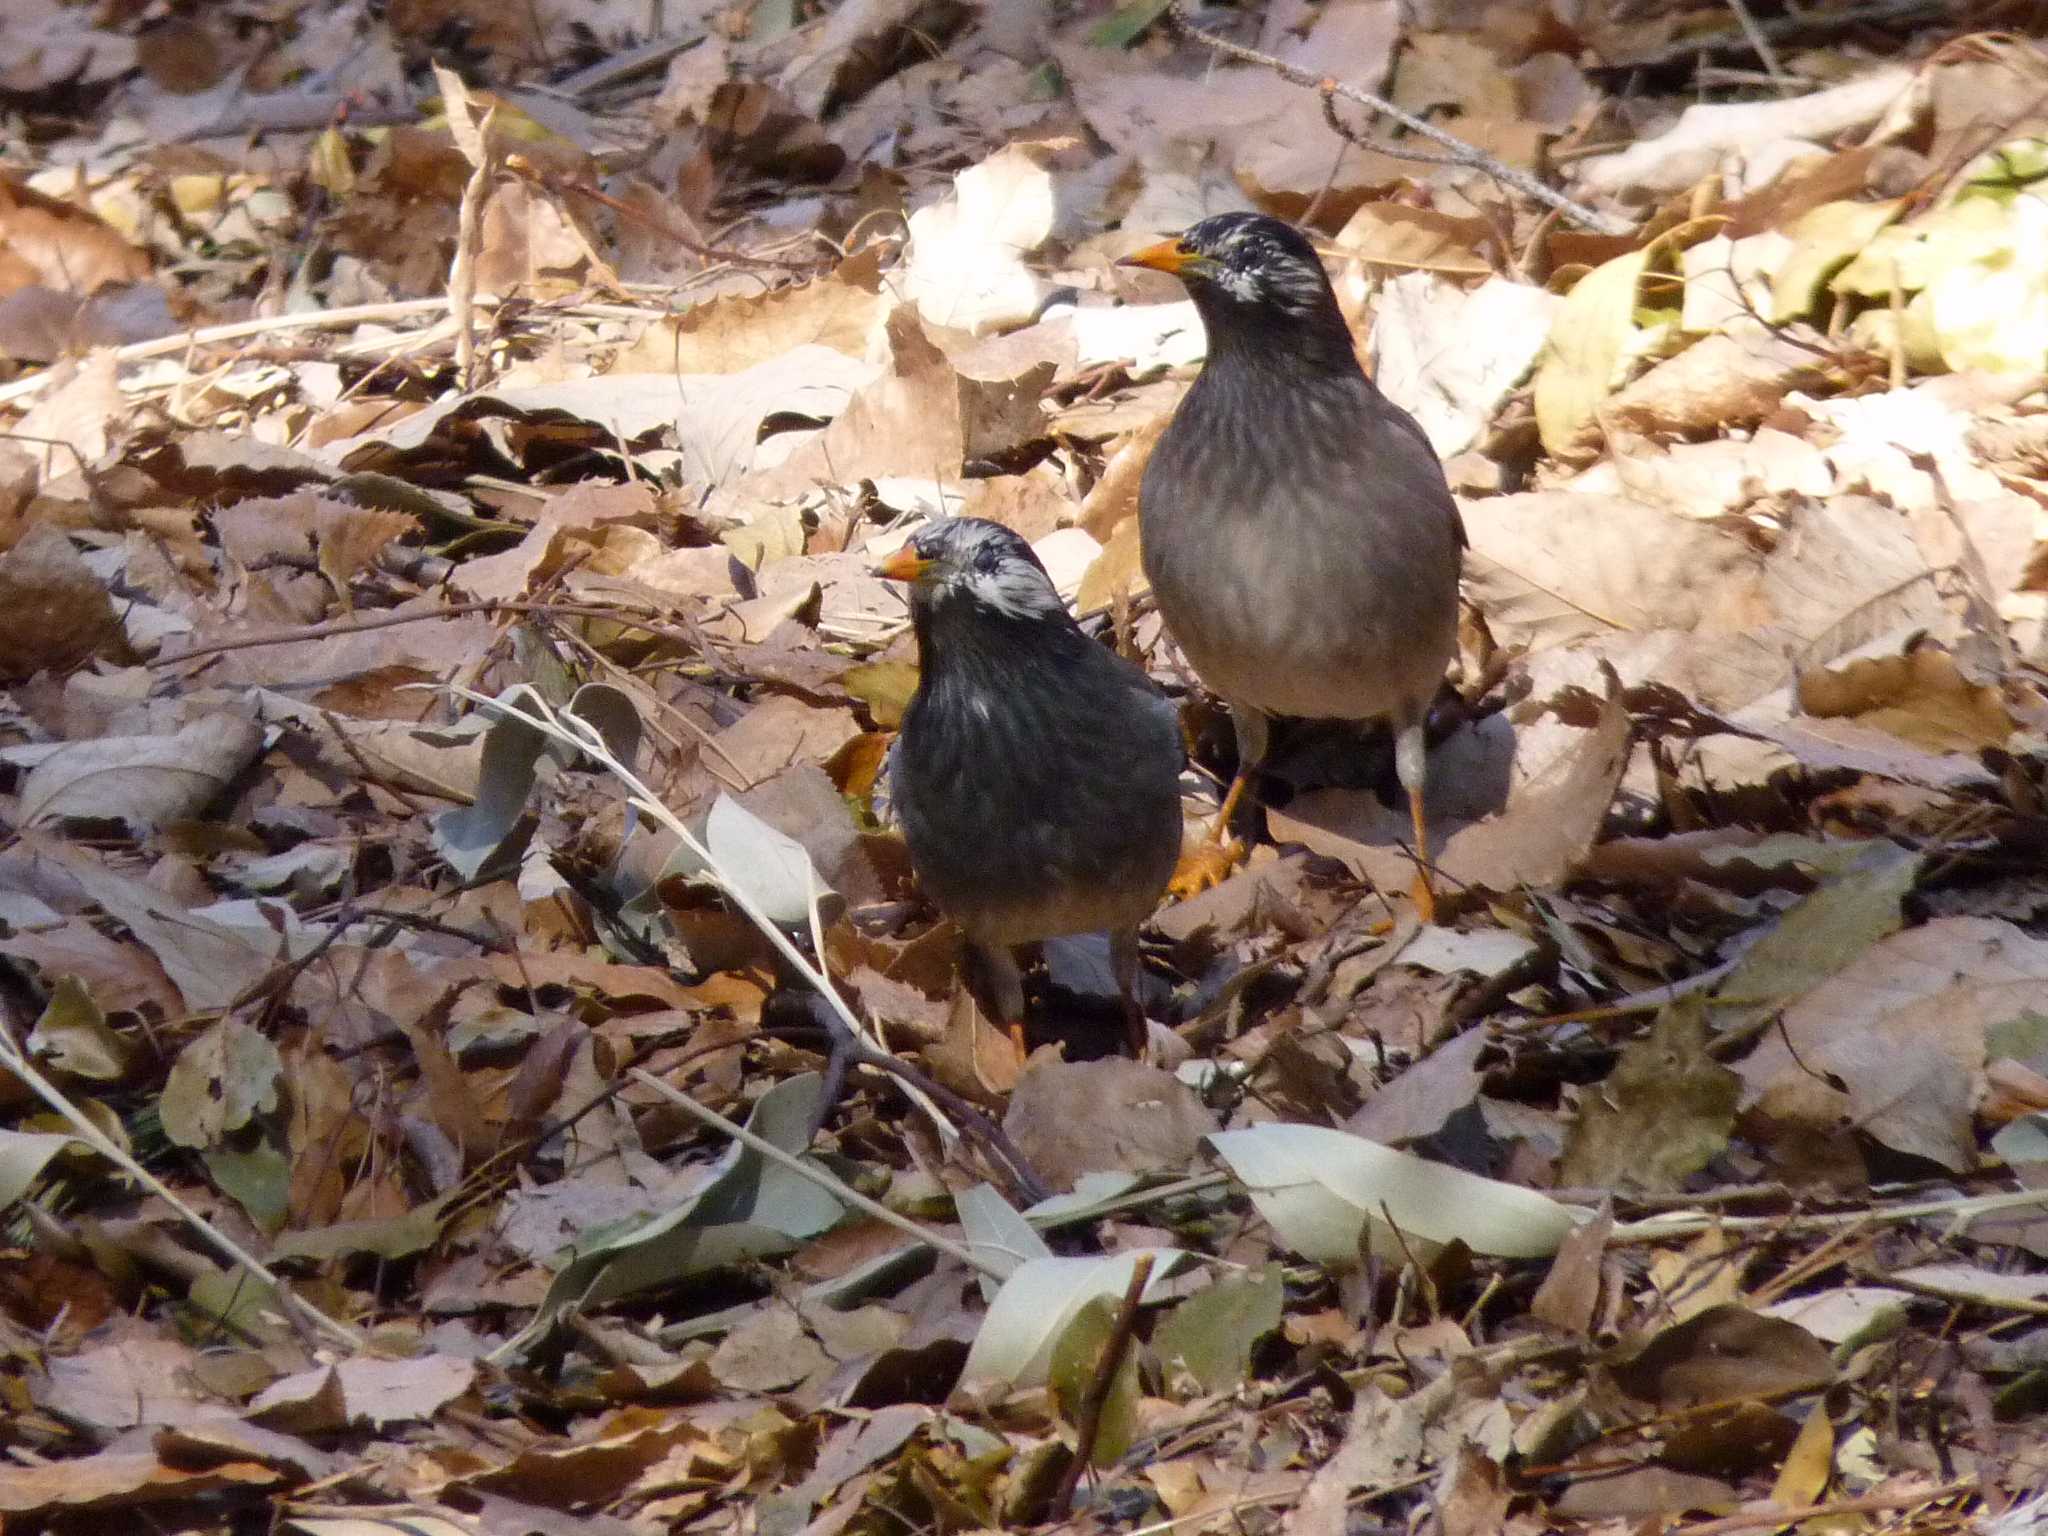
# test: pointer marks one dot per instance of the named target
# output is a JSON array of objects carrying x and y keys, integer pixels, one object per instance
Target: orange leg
[
  {"x": 1424, "y": 889},
  {"x": 1411, "y": 763},
  {"x": 1220, "y": 833}
]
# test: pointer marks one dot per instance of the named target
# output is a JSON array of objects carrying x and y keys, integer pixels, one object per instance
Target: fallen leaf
[
  {"x": 1330, "y": 1196},
  {"x": 1664, "y": 1112},
  {"x": 142, "y": 781}
]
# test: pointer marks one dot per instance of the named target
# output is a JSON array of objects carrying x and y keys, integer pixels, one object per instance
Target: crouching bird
[
  {"x": 1297, "y": 529},
  {"x": 1037, "y": 776}
]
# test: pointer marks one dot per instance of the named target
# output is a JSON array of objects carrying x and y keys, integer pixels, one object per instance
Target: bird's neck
[
  {"x": 957, "y": 633},
  {"x": 1281, "y": 345}
]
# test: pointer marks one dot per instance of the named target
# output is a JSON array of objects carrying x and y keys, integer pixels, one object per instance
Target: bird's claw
[{"x": 1203, "y": 867}]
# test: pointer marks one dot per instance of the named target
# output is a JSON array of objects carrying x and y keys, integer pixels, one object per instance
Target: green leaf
[
  {"x": 259, "y": 1180},
  {"x": 1126, "y": 24},
  {"x": 1075, "y": 1359},
  {"x": 996, "y": 1233},
  {"x": 219, "y": 1083},
  {"x": 1908, "y": 257},
  {"x": 2005, "y": 172},
  {"x": 1329, "y": 1195},
  {"x": 1015, "y": 1343},
  {"x": 750, "y": 1208},
  {"x": 1591, "y": 338},
  {"x": 1826, "y": 930},
  {"x": 1664, "y": 1111},
  {"x": 1211, "y": 1335},
  {"x": 1824, "y": 240},
  {"x": 1991, "y": 312},
  {"x": 490, "y": 832},
  {"x": 73, "y": 1036},
  {"x": 395, "y": 1237}
]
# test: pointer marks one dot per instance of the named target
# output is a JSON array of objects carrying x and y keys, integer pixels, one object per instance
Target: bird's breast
[{"x": 1296, "y": 574}]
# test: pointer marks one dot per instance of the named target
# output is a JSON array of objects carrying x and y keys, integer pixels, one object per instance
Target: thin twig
[
  {"x": 1461, "y": 153},
  {"x": 328, "y": 631},
  {"x": 1088, "y": 1423},
  {"x": 838, "y": 1188},
  {"x": 1656, "y": 1229},
  {"x": 310, "y": 320},
  {"x": 1765, "y": 53}
]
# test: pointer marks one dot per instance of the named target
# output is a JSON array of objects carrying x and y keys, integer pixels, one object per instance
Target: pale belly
[{"x": 1345, "y": 643}]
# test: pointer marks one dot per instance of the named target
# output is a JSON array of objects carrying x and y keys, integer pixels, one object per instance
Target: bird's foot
[
  {"x": 1423, "y": 892},
  {"x": 1203, "y": 867}
]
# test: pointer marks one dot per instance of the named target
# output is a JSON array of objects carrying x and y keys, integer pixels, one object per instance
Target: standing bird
[
  {"x": 1297, "y": 528},
  {"x": 1038, "y": 773}
]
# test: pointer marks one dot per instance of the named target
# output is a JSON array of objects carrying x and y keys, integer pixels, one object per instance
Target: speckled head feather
[
  {"x": 984, "y": 563},
  {"x": 1262, "y": 295},
  {"x": 1262, "y": 262}
]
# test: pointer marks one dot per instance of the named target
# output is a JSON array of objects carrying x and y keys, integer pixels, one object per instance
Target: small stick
[{"x": 1088, "y": 1426}]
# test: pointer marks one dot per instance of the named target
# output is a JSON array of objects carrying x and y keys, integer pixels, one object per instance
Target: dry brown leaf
[
  {"x": 1113, "y": 499},
  {"x": 364, "y": 1391},
  {"x": 54, "y": 613},
  {"x": 121, "y": 977},
  {"x": 736, "y": 331},
  {"x": 1537, "y": 837},
  {"x": 1550, "y": 567},
  {"x": 142, "y": 781},
  {"x": 1069, "y": 1118},
  {"x": 1919, "y": 697},
  {"x": 1734, "y": 378},
  {"x": 65, "y": 247},
  {"x": 1451, "y": 355},
  {"x": 139, "y": 1380},
  {"x": 120, "y": 1480},
  {"x": 1417, "y": 239},
  {"x": 974, "y": 1057},
  {"x": 1723, "y": 1355},
  {"x": 1903, "y": 1029}
]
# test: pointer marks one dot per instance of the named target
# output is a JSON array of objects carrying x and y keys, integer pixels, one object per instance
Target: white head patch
[
  {"x": 988, "y": 564},
  {"x": 1257, "y": 260}
]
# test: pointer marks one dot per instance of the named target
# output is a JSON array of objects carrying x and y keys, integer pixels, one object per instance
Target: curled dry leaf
[{"x": 143, "y": 781}]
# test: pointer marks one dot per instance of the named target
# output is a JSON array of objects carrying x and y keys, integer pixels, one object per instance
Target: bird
[
  {"x": 1295, "y": 525},
  {"x": 1037, "y": 773}
]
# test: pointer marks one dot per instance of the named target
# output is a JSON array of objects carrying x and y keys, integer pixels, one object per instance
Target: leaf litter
[{"x": 474, "y": 1059}]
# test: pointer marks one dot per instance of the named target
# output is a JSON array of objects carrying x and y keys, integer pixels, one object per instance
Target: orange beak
[
  {"x": 904, "y": 565},
  {"x": 1166, "y": 256}
]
